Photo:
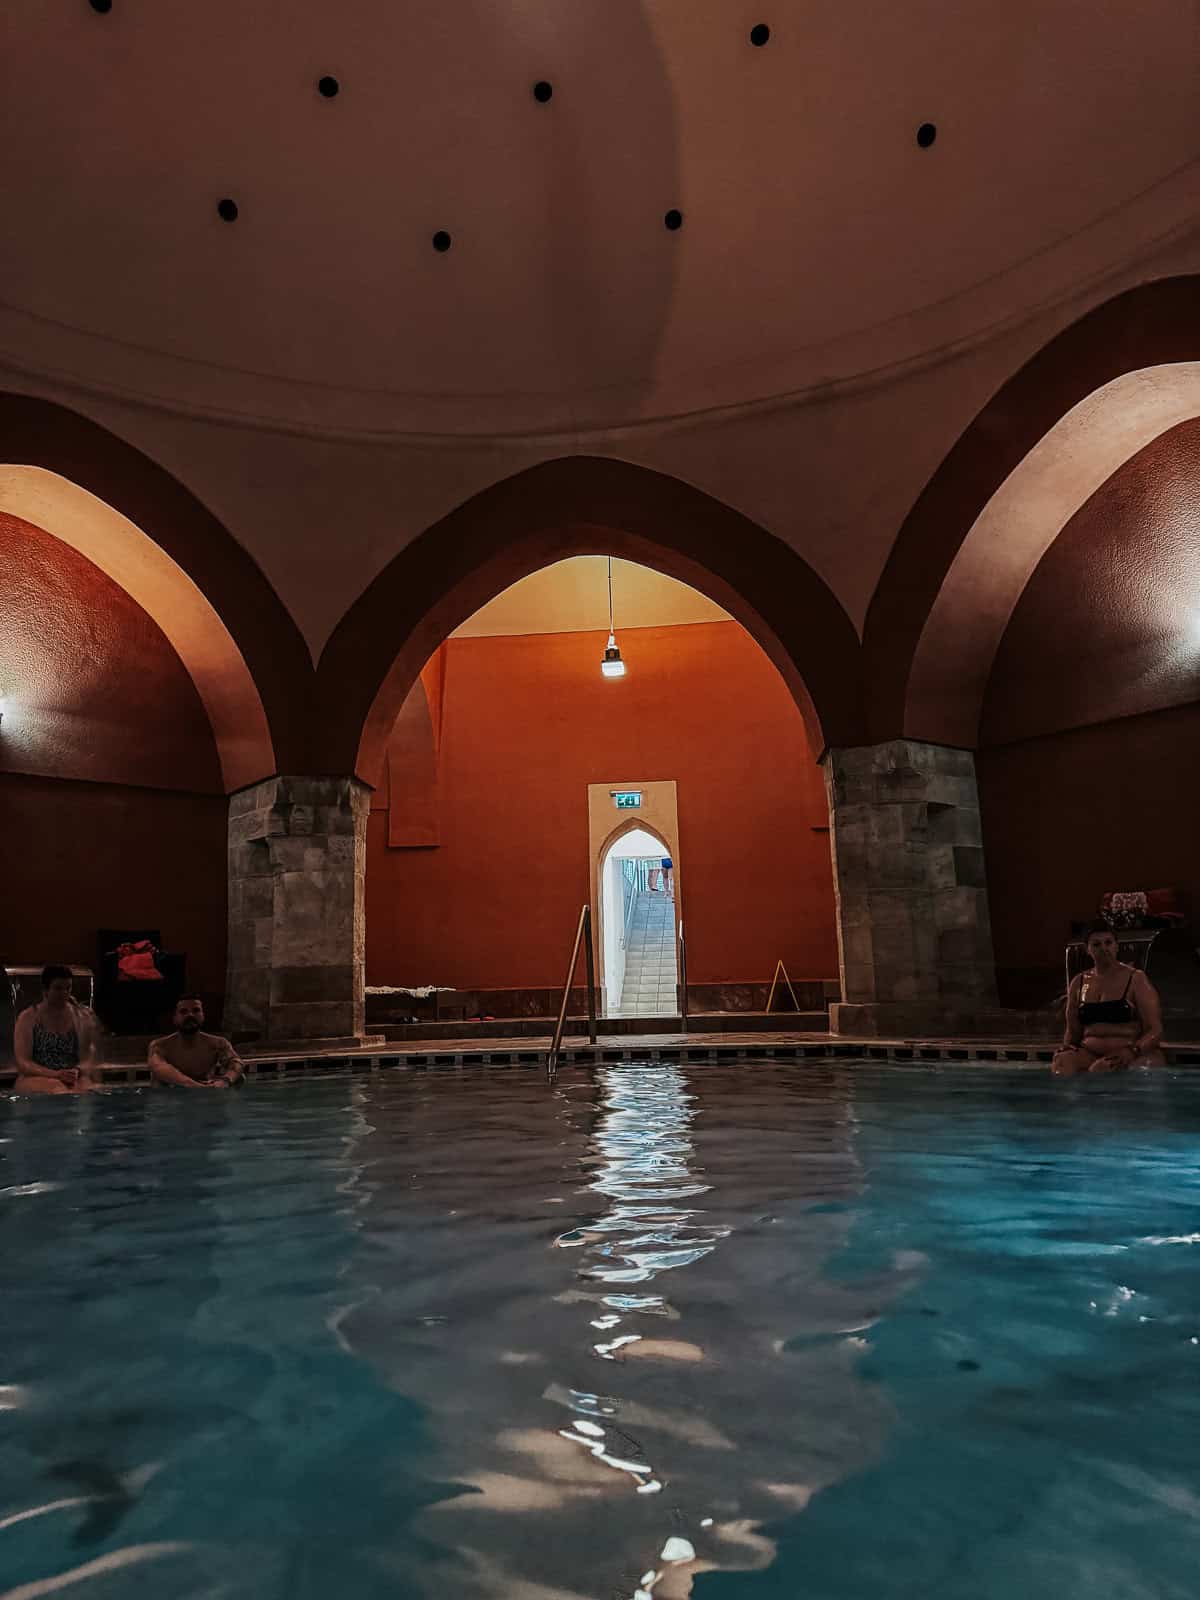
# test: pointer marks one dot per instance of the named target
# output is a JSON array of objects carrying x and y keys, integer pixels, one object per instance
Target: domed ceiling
[{"x": 363, "y": 216}]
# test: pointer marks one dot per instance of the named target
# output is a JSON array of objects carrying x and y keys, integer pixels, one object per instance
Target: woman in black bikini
[
  {"x": 55, "y": 1042},
  {"x": 1114, "y": 1020}
]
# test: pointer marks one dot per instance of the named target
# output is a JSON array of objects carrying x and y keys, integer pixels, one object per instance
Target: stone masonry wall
[
  {"x": 914, "y": 935},
  {"x": 297, "y": 859}
]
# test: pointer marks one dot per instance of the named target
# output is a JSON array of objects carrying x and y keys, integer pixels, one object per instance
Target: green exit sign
[{"x": 628, "y": 799}]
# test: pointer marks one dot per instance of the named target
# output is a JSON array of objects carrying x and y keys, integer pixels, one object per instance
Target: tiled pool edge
[{"x": 688, "y": 1052}]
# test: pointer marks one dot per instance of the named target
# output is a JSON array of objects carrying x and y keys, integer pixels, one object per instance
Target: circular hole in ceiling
[
  {"x": 542, "y": 91},
  {"x": 441, "y": 240},
  {"x": 926, "y": 134},
  {"x": 673, "y": 220},
  {"x": 328, "y": 87},
  {"x": 759, "y": 33},
  {"x": 227, "y": 210},
  {"x": 102, "y": 6}
]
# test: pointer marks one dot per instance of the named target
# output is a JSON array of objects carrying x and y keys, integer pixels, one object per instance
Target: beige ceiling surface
[
  {"x": 819, "y": 242},
  {"x": 837, "y": 306},
  {"x": 572, "y": 597}
]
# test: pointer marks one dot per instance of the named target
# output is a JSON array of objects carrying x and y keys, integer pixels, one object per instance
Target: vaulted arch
[
  {"x": 1088, "y": 401},
  {"x": 576, "y": 506},
  {"x": 139, "y": 525}
]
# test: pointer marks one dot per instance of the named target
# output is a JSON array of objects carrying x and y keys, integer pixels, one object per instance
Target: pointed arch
[
  {"x": 79, "y": 482},
  {"x": 632, "y": 825},
  {"x": 607, "y": 940},
  {"x": 933, "y": 567},
  {"x": 581, "y": 505}
]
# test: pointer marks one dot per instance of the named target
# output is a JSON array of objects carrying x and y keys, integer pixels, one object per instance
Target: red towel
[{"x": 136, "y": 962}]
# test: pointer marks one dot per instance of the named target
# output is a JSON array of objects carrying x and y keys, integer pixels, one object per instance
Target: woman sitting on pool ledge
[
  {"x": 55, "y": 1043},
  {"x": 1114, "y": 1020}
]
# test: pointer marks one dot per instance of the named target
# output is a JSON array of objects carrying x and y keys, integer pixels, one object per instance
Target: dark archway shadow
[
  {"x": 1153, "y": 325},
  {"x": 581, "y": 505}
]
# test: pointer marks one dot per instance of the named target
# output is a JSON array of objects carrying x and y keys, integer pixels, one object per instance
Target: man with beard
[{"x": 190, "y": 1058}]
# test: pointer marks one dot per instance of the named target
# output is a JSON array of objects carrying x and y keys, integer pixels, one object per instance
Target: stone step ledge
[{"x": 535, "y": 1053}]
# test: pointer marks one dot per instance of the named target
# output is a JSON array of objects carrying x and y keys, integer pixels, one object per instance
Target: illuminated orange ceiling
[{"x": 572, "y": 597}]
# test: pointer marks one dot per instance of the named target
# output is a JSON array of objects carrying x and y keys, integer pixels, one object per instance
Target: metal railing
[
  {"x": 634, "y": 880},
  {"x": 683, "y": 994},
  {"x": 583, "y": 936}
]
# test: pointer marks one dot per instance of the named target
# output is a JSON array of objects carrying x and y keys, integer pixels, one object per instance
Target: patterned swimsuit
[{"x": 55, "y": 1050}]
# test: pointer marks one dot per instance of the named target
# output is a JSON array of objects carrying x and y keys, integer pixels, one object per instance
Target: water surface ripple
[{"x": 828, "y": 1329}]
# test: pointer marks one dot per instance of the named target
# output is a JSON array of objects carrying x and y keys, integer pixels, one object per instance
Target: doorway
[{"x": 637, "y": 896}]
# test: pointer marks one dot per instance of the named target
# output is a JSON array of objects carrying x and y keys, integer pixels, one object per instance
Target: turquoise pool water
[{"x": 842, "y": 1330}]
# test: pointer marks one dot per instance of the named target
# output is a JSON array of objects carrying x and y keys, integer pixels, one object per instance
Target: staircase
[{"x": 650, "y": 972}]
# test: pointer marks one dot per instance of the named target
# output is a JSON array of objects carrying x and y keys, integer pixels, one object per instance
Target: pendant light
[{"x": 612, "y": 666}]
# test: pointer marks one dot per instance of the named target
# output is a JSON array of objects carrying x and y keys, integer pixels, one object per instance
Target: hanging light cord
[{"x": 610, "y": 602}]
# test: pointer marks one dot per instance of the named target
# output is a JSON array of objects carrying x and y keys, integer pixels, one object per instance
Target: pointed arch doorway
[
  {"x": 637, "y": 898},
  {"x": 640, "y": 964}
]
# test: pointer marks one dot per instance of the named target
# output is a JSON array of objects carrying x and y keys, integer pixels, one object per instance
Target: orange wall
[
  {"x": 112, "y": 812},
  {"x": 527, "y": 724}
]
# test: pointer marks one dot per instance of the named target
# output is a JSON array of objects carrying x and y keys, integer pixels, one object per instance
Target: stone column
[
  {"x": 914, "y": 935},
  {"x": 297, "y": 858}
]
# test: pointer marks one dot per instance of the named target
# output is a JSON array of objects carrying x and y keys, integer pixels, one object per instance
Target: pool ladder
[{"x": 583, "y": 936}]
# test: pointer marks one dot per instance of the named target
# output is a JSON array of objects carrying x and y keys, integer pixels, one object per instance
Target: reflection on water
[
  {"x": 466, "y": 1334},
  {"x": 662, "y": 1420},
  {"x": 647, "y": 1230},
  {"x": 613, "y": 1376},
  {"x": 643, "y": 1172},
  {"x": 648, "y": 1330}
]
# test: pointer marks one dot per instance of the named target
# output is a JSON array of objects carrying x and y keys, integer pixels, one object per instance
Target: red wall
[
  {"x": 76, "y": 857},
  {"x": 110, "y": 791},
  {"x": 1090, "y": 753},
  {"x": 527, "y": 723},
  {"x": 1070, "y": 816}
]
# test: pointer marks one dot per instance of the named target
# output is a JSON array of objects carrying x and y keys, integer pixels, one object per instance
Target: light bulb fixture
[{"x": 611, "y": 666}]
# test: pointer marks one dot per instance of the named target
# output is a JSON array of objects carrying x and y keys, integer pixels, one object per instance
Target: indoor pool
[{"x": 829, "y": 1330}]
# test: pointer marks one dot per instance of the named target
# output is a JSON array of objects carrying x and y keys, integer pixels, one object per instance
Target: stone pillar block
[
  {"x": 297, "y": 937},
  {"x": 914, "y": 936}
]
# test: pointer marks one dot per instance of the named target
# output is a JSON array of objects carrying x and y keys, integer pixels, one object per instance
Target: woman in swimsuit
[
  {"x": 1114, "y": 1020},
  {"x": 55, "y": 1042}
]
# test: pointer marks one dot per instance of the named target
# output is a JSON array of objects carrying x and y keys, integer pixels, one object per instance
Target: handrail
[
  {"x": 583, "y": 935},
  {"x": 683, "y": 992},
  {"x": 633, "y": 900}
]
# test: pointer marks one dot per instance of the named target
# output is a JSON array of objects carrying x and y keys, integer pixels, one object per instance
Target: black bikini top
[{"x": 1118, "y": 1011}]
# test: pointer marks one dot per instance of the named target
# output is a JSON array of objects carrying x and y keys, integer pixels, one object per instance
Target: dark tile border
[{"x": 917, "y": 1052}]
